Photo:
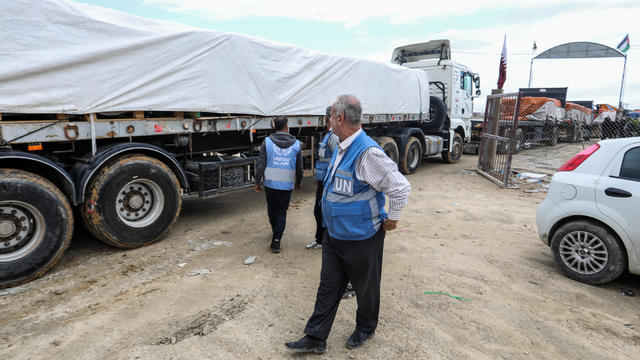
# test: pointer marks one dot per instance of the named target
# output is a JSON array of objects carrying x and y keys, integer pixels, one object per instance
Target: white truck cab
[{"x": 450, "y": 81}]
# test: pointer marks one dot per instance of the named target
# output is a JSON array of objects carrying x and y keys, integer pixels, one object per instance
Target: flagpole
[{"x": 624, "y": 71}]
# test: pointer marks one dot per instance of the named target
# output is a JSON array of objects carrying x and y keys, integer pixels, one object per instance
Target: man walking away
[
  {"x": 280, "y": 164},
  {"x": 358, "y": 177},
  {"x": 325, "y": 152}
]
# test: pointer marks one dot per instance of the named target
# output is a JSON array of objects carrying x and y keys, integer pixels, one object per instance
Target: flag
[
  {"x": 502, "y": 77},
  {"x": 624, "y": 44}
]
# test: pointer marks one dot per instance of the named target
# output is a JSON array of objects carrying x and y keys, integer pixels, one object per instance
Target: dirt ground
[{"x": 459, "y": 234}]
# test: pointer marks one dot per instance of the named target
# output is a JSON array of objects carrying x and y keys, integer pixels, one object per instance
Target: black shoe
[
  {"x": 348, "y": 292},
  {"x": 275, "y": 246},
  {"x": 358, "y": 338},
  {"x": 308, "y": 344}
]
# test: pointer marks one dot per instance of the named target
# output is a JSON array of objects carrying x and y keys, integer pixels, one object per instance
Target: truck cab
[{"x": 451, "y": 82}]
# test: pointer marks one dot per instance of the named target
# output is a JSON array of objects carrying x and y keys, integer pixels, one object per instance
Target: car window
[{"x": 631, "y": 164}]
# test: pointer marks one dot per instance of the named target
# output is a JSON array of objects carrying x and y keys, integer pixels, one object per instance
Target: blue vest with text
[
  {"x": 351, "y": 209},
  {"x": 324, "y": 157},
  {"x": 280, "y": 172}
]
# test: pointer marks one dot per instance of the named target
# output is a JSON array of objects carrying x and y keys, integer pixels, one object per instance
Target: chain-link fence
[{"x": 525, "y": 137}]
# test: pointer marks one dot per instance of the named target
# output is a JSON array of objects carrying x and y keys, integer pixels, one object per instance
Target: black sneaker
[
  {"x": 314, "y": 245},
  {"x": 275, "y": 246},
  {"x": 348, "y": 292},
  {"x": 307, "y": 344}
]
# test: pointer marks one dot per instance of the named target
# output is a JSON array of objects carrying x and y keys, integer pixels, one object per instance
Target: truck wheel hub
[
  {"x": 139, "y": 203},
  {"x": 7, "y": 228},
  {"x": 136, "y": 201},
  {"x": 21, "y": 229}
]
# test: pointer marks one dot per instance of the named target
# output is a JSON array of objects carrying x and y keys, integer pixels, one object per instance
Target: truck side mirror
[{"x": 476, "y": 81}]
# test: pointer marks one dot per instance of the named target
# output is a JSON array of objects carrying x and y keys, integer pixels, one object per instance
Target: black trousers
[
  {"x": 317, "y": 212},
  {"x": 342, "y": 261},
  {"x": 277, "y": 206}
]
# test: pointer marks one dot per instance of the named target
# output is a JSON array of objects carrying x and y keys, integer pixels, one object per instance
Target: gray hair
[{"x": 350, "y": 106}]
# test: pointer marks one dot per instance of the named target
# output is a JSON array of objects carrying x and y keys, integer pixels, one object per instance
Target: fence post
[{"x": 494, "y": 114}]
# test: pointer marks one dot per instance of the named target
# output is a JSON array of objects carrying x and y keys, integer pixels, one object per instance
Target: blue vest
[
  {"x": 351, "y": 209},
  {"x": 325, "y": 152},
  {"x": 280, "y": 172}
]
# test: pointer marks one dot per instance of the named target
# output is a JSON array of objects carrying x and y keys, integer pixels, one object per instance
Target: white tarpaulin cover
[
  {"x": 64, "y": 57},
  {"x": 547, "y": 112},
  {"x": 603, "y": 114}
]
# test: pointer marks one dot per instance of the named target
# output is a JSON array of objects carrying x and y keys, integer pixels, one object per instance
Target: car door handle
[{"x": 615, "y": 192}]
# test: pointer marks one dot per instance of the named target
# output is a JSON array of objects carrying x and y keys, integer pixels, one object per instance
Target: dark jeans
[
  {"x": 277, "y": 205},
  {"x": 317, "y": 212},
  {"x": 342, "y": 261}
]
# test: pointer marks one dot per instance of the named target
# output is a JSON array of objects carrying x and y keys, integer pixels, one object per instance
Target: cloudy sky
[{"x": 476, "y": 29}]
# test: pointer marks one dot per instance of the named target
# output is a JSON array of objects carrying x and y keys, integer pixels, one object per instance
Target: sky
[{"x": 476, "y": 28}]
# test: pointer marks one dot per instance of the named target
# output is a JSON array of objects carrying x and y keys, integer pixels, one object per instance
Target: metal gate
[{"x": 498, "y": 138}]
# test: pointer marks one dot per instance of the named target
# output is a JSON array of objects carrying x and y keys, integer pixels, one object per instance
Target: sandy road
[{"x": 459, "y": 234}]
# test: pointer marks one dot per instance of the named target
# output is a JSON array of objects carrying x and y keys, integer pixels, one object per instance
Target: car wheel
[{"x": 588, "y": 252}]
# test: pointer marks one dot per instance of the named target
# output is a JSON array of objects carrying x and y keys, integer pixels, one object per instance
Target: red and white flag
[{"x": 502, "y": 77}]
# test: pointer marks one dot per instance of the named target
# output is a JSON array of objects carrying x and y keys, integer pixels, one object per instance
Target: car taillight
[{"x": 575, "y": 161}]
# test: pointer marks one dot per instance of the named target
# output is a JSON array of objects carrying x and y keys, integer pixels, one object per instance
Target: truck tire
[
  {"x": 587, "y": 252},
  {"x": 554, "y": 137},
  {"x": 454, "y": 155},
  {"x": 412, "y": 156},
  {"x": 132, "y": 202},
  {"x": 576, "y": 134},
  {"x": 437, "y": 112},
  {"x": 36, "y": 225},
  {"x": 518, "y": 142},
  {"x": 389, "y": 147}
]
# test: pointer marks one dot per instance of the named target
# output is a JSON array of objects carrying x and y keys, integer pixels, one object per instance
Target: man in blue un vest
[
  {"x": 280, "y": 163},
  {"x": 357, "y": 179},
  {"x": 325, "y": 152}
]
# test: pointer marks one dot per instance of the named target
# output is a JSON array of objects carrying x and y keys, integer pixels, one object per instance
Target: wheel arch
[
  {"x": 457, "y": 126},
  {"x": 460, "y": 130},
  {"x": 83, "y": 173},
  {"x": 42, "y": 166}
]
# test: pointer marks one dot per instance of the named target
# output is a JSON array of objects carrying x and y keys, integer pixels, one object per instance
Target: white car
[{"x": 591, "y": 215}]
